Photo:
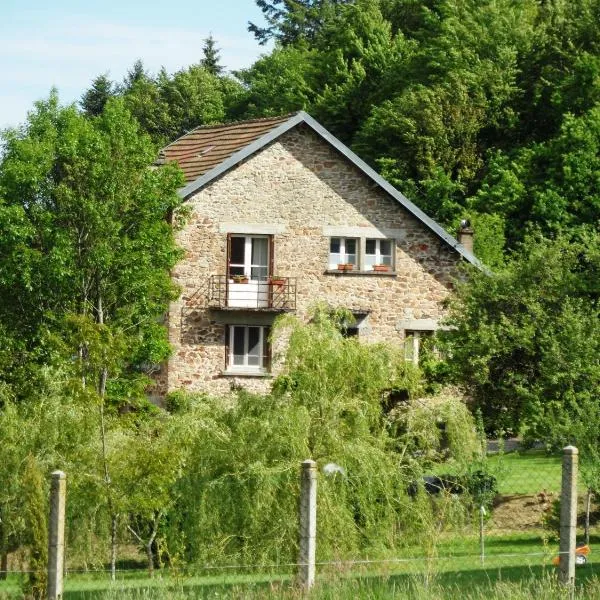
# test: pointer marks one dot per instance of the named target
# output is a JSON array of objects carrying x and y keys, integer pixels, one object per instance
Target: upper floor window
[
  {"x": 343, "y": 251},
  {"x": 249, "y": 257},
  {"x": 361, "y": 254},
  {"x": 378, "y": 252}
]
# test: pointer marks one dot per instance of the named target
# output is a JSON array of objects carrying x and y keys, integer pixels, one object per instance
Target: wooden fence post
[
  {"x": 568, "y": 516},
  {"x": 56, "y": 535},
  {"x": 308, "y": 523}
]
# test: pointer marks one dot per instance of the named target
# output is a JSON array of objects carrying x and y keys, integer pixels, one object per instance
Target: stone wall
[{"x": 301, "y": 184}]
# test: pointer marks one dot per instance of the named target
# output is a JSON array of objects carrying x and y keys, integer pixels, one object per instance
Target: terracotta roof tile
[{"x": 203, "y": 148}]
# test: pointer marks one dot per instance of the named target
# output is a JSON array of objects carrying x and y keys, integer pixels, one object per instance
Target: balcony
[{"x": 240, "y": 293}]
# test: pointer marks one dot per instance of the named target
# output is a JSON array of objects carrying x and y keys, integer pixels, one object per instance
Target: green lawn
[
  {"x": 509, "y": 583},
  {"x": 527, "y": 472}
]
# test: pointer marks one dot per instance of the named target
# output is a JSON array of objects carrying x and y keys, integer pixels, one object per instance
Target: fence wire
[{"x": 511, "y": 533}]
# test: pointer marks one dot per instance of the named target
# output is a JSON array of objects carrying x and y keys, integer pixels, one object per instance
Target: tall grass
[{"x": 376, "y": 588}]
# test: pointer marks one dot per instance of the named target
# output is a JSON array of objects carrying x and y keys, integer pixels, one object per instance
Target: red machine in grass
[{"x": 581, "y": 553}]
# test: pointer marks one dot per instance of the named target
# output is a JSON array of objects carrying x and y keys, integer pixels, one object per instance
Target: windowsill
[
  {"x": 244, "y": 373},
  {"x": 353, "y": 272}
]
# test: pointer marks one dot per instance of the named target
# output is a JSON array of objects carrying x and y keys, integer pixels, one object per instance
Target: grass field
[
  {"x": 527, "y": 472},
  {"x": 510, "y": 583}
]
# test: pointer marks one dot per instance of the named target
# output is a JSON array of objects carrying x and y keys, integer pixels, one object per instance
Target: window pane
[
  {"x": 386, "y": 260},
  {"x": 370, "y": 260},
  {"x": 334, "y": 245},
  {"x": 351, "y": 258},
  {"x": 385, "y": 247},
  {"x": 370, "y": 246},
  {"x": 334, "y": 260},
  {"x": 254, "y": 349},
  {"x": 236, "y": 255},
  {"x": 259, "y": 273},
  {"x": 235, "y": 271},
  {"x": 238, "y": 345},
  {"x": 350, "y": 246},
  {"x": 260, "y": 252}
]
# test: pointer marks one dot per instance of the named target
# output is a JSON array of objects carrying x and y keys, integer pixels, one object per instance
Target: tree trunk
[
  {"x": 149, "y": 552},
  {"x": 107, "y": 481},
  {"x": 150, "y": 556},
  {"x": 113, "y": 547},
  {"x": 3, "y": 565}
]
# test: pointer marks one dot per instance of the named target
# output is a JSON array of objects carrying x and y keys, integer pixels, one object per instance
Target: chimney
[{"x": 465, "y": 235}]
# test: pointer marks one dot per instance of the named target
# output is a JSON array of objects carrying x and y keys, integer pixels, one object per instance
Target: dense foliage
[
  {"x": 86, "y": 249},
  {"x": 479, "y": 109},
  {"x": 526, "y": 341}
]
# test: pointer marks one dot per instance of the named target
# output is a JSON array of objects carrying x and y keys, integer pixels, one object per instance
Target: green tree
[
  {"x": 95, "y": 98},
  {"x": 93, "y": 241},
  {"x": 134, "y": 75},
  {"x": 356, "y": 51},
  {"x": 155, "y": 451},
  {"x": 525, "y": 340},
  {"x": 211, "y": 56},
  {"x": 168, "y": 106},
  {"x": 289, "y": 21},
  {"x": 36, "y": 526},
  {"x": 279, "y": 83},
  {"x": 551, "y": 186},
  {"x": 237, "y": 497}
]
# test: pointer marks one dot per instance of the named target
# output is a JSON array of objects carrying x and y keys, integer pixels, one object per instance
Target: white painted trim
[
  {"x": 245, "y": 372},
  {"x": 252, "y": 228}
]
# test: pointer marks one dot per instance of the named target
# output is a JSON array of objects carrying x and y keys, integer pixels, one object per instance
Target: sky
[{"x": 66, "y": 43}]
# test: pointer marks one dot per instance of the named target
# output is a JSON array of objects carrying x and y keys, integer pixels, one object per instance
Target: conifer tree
[
  {"x": 95, "y": 98},
  {"x": 211, "y": 56}
]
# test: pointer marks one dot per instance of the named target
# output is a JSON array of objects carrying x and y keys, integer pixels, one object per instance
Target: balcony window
[{"x": 249, "y": 257}]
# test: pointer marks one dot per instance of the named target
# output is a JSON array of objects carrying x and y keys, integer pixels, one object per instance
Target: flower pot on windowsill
[
  {"x": 240, "y": 279},
  {"x": 277, "y": 281},
  {"x": 345, "y": 267},
  {"x": 381, "y": 268}
]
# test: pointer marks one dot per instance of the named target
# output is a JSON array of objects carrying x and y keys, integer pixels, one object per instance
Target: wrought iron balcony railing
[{"x": 272, "y": 293}]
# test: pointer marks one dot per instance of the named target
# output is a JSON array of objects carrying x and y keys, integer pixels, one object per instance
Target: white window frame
[
  {"x": 361, "y": 252},
  {"x": 262, "y": 342},
  {"x": 248, "y": 265},
  {"x": 342, "y": 252},
  {"x": 378, "y": 255}
]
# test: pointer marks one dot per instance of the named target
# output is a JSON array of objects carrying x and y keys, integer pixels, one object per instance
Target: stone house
[{"x": 282, "y": 214}]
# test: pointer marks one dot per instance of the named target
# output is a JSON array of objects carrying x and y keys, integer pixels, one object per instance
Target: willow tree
[
  {"x": 88, "y": 248},
  {"x": 237, "y": 497}
]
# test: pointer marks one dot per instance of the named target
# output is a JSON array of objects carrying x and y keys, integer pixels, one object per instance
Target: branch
[{"x": 139, "y": 539}]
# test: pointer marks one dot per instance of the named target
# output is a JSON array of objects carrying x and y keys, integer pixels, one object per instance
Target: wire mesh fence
[{"x": 504, "y": 523}]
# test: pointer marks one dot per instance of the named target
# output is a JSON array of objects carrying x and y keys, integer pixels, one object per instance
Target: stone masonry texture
[{"x": 303, "y": 184}]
